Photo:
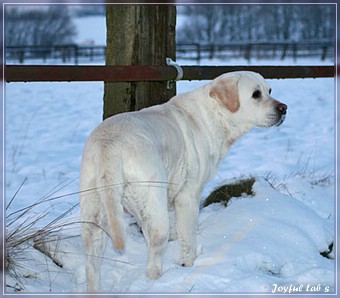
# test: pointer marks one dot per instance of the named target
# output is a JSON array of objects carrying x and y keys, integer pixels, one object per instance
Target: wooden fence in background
[{"x": 77, "y": 54}]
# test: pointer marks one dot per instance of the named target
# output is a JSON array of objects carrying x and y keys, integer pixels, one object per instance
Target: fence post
[
  {"x": 294, "y": 51},
  {"x": 76, "y": 54},
  {"x": 198, "y": 51},
  {"x": 247, "y": 54},
  {"x": 138, "y": 35},
  {"x": 324, "y": 52},
  {"x": 21, "y": 55}
]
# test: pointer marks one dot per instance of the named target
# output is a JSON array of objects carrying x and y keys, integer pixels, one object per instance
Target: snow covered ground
[{"x": 268, "y": 243}]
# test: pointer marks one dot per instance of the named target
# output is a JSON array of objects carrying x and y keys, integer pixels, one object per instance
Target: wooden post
[{"x": 138, "y": 35}]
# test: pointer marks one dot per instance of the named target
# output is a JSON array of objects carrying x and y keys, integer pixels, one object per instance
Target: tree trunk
[{"x": 138, "y": 35}]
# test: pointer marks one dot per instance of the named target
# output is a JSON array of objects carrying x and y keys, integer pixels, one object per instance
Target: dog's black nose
[{"x": 282, "y": 108}]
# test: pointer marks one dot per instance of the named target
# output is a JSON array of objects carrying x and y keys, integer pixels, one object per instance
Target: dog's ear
[{"x": 225, "y": 90}]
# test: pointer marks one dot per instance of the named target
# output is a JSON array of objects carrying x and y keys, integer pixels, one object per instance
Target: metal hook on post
[{"x": 179, "y": 70}]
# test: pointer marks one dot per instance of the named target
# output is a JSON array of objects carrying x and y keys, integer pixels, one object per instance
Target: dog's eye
[
  {"x": 270, "y": 90},
  {"x": 257, "y": 94}
]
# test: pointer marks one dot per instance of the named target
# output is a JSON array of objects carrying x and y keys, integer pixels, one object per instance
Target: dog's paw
[
  {"x": 187, "y": 264},
  {"x": 188, "y": 258},
  {"x": 153, "y": 273}
]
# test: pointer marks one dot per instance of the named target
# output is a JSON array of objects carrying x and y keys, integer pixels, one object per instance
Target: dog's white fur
[{"x": 154, "y": 163}]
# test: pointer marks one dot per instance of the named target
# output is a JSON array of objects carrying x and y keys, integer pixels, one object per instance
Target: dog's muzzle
[{"x": 282, "y": 111}]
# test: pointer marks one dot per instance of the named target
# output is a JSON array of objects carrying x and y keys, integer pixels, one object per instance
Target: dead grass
[
  {"x": 224, "y": 193},
  {"x": 28, "y": 228}
]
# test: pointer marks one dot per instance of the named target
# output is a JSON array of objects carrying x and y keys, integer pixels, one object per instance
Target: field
[{"x": 278, "y": 240}]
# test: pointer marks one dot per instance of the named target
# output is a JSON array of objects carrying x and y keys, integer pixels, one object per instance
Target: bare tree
[
  {"x": 240, "y": 22},
  {"x": 38, "y": 27},
  {"x": 205, "y": 24},
  {"x": 318, "y": 22}
]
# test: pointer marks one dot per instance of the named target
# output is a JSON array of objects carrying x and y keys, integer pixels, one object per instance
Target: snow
[
  {"x": 91, "y": 30},
  {"x": 270, "y": 242}
]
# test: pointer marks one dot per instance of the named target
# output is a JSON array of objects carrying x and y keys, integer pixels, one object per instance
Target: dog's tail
[{"x": 111, "y": 185}]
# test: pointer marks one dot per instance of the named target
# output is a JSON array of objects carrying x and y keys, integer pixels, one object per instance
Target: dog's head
[{"x": 246, "y": 95}]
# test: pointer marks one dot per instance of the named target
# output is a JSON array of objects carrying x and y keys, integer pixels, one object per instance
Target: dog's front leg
[{"x": 187, "y": 210}]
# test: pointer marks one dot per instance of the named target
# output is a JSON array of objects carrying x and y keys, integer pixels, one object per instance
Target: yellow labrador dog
[{"x": 155, "y": 162}]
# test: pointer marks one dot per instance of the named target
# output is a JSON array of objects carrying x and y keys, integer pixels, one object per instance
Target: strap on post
[{"x": 179, "y": 70}]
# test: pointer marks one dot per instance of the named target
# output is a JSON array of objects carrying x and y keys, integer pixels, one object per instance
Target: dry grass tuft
[
  {"x": 28, "y": 228},
  {"x": 224, "y": 193}
]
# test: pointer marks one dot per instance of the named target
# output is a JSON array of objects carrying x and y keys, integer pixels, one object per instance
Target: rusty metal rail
[{"x": 42, "y": 73}]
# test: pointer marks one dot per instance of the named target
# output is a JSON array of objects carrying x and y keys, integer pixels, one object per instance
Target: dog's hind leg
[
  {"x": 110, "y": 179},
  {"x": 156, "y": 228},
  {"x": 94, "y": 238},
  {"x": 93, "y": 225},
  {"x": 94, "y": 242}
]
